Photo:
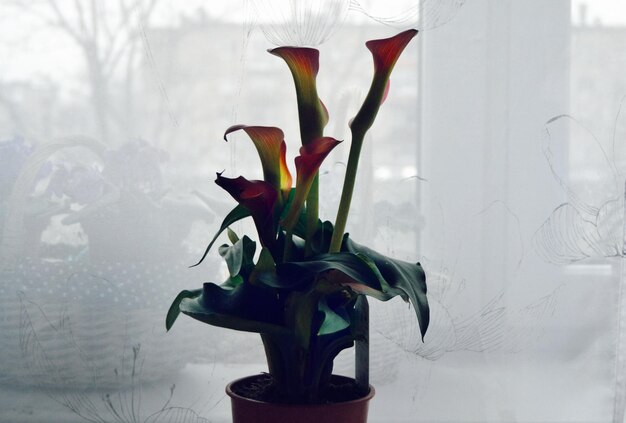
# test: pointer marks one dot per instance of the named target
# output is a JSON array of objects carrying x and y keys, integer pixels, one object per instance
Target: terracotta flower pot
[{"x": 246, "y": 410}]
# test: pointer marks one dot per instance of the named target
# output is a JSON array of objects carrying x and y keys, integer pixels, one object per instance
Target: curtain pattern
[{"x": 497, "y": 161}]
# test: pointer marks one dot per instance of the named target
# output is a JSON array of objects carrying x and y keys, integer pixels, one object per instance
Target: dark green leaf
[
  {"x": 266, "y": 261},
  {"x": 239, "y": 256},
  {"x": 366, "y": 272},
  {"x": 232, "y": 282},
  {"x": 300, "y": 311},
  {"x": 334, "y": 320},
  {"x": 269, "y": 279},
  {"x": 236, "y": 214},
  {"x": 321, "y": 238},
  {"x": 265, "y": 266},
  {"x": 232, "y": 255},
  {"x": 232, "y": 236},
  {"x": 351, "y": 265},
  {"x": 245, "y": 307},
  {"x": 404, "y": 278},
  {"x": 174, "y": 311}
]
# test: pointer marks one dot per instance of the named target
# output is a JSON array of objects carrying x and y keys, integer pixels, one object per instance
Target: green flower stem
[
  {"x": 361, "y": 123},
  {"x": 312, "y": 214},
  {"x": 346, "y": 192},
  {"x": 288, "y": 243}
]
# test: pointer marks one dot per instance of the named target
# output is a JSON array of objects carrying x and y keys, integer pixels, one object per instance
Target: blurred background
[{"x": 498, "y": 161}]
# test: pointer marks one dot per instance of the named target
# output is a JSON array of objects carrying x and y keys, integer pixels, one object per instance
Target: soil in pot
[{"x": 263, "y": 388}]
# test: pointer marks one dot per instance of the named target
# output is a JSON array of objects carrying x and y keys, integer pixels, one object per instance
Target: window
[{"x": 497, "y": 161}]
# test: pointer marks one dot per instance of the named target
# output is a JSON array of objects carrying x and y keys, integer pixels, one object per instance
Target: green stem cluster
[
  {"x": 359, "y": 127},
  {"x": 346, "y": 192},
  {"x": 312, "y": 214}
]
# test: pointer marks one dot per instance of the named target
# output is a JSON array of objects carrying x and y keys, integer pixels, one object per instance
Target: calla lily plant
[{"x": 299, "y": 291}]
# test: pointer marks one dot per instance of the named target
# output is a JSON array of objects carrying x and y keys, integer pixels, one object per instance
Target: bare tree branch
[
  {"x": 113, "y": 56},
  {"x": 63, "y": 23},
  {"x": 107, "y": 33},
  {"x": 95, "y": 22},
  {"x": 81, "y": 18}
]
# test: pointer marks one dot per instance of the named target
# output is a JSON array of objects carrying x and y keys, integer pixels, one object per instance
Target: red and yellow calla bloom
[
  {"x": 259, "y": 197},
  {"x": 270, "y": 144},
  {"x": 313, "y": 115},
  {"x": 307, "y": 164},
  {"x": 304, "y": 64},
  {"x": 385, "y": 53}
]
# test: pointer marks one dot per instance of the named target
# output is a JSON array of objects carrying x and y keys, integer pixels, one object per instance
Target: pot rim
[{"x": 233, "y": 395}]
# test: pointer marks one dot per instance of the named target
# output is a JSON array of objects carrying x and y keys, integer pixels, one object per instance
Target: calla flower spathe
[
  {"x": 307, "y": 164},
  {"x": 270, "y": 144},
  {"x": 385, "y": 53},
  {"x": 304, "y": 65},
  {"x": 259, "y": 197},
  {"x": 312, "y": 114}
]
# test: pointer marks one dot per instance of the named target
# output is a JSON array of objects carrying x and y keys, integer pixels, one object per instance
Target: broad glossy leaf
[
  {"x": 232, "y": 236},
  {"x": 347, "y": 263},
  {"x": 334, "y": 320},
  {"x": 385, "y": 53},
  {"x": 232, "y": 256},
  {"x": 300, "y": 311},
  {"x": 174, "y": 311},
  {"x": 232, "y": 282},
  {"x": 235, "y": 215},
  {"x": 266, "y": 262},
  {"x": 265, "y": 266},
  {"x": 404, "y": 278},
  {"x": 272, "y": 280},
  {"x": 366, "y": 272},
  {"x": 321, "y": 239},
  {"x": 239, "y": 255},
  {"x": 246, "y": 308},
  {"x": 305, "y": 311}
]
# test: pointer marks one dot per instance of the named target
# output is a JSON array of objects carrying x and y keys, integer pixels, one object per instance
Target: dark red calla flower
[
  {"x": 259, "y": 197},
  {"x": 385, "y": 53}
]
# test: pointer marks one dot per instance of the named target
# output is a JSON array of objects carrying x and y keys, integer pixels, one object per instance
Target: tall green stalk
[
  {"x": 385, "y": 54},
  {"x": 312, "y": 214},
  {"x": 359, "y": 127},
  {"x": 346, "y": 192},
  {"x": 304, "y": 64}
]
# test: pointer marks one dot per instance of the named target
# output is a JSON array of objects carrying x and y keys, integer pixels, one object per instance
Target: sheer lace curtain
[{"x": 498, "y": 161}]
